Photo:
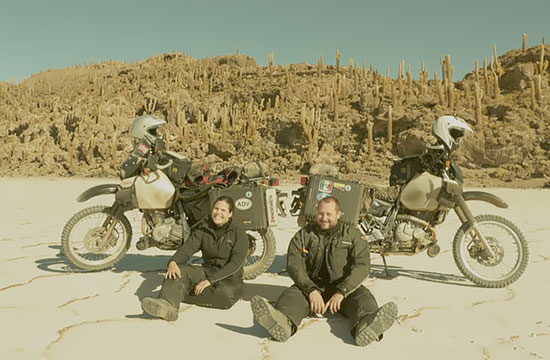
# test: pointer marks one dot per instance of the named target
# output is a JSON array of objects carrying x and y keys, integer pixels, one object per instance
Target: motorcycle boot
[
  {"x": 160, "y": 308},
  {"x": 371, "y": 328},
  {"x": 276, "y": 323}
]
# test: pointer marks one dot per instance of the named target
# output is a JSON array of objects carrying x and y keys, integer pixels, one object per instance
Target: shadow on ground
[
  {"x": 378, "y": 272},
  {"x": 130, "y": 262}
]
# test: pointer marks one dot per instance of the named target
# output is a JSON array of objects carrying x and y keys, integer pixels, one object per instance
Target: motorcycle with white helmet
[
  {"x": 489, "y": 250},
  {"x": 172, "y": 196}
]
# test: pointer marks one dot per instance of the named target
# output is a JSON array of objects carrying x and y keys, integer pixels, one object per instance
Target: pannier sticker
[
  {"x": 248, "y": 194},
  {"x": 348, "y": 188},
  {"x": 325, "y": 186},
  {"x": 243, "y": 204},
  {"x": 321, "y": 196},
  {"x": 339, "y": 186},
  {"x": 143, "y": 149},
  {"x": 247, "y": 222}
]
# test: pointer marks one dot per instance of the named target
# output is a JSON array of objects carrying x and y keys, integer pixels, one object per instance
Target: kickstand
[{"x": 385, "y": 265}]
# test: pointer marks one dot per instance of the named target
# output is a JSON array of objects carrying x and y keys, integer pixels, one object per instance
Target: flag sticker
[{"x": 325, "y": 186}]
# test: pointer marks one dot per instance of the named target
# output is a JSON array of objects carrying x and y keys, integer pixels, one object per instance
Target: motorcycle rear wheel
[
  {"x": 83, "y": 238},
  {"x": 508, "y": 243},
  {"x": 261, "y": 252}
]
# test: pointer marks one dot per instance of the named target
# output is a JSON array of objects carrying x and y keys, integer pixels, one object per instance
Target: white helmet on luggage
[
  {"x": 146, "y": 126},
  {"x": 449, "y": 130}
]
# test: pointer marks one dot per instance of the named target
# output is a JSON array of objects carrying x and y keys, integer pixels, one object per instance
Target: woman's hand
[
  {"x": 173, "y": 271},
  {"x": 199, "y": 288}
]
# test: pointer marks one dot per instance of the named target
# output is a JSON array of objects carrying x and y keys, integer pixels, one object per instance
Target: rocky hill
[{"x": 229, "y": 109}]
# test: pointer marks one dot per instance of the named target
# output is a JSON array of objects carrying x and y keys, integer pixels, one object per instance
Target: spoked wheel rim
[
  {"x": 88, "y": 241},
  {"x": 505, "y": 244},
  {"x": 256, "y": 248}
]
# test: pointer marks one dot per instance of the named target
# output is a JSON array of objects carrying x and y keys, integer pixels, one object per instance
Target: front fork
[{"x": 465, "y": 215}]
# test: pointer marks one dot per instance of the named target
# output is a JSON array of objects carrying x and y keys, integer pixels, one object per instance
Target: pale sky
[{"x": 37, "y": 35}]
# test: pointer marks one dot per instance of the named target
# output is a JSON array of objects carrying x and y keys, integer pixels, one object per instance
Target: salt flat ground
[{"x": 49, "y": 310}]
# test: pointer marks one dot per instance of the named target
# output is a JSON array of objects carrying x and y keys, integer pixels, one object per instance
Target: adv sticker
[
  {"x": 321, "y": 196},
  {"x": 325, "y": 186},
  {"x": 243, "y": 204}
]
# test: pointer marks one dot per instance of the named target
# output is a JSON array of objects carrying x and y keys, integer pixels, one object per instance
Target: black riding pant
[
  {"x": 222, "y": 294},
  {"x": 356, "y": 306}
]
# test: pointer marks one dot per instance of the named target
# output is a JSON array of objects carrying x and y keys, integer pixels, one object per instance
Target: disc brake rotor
[
  {"x": 477, "y": 252},
  {"x": 95, "y": 241}
]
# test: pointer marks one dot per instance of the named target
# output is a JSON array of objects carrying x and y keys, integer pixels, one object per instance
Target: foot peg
[
  {"x": 143, "y": 243},
  {"x": 433, "y": 250}
]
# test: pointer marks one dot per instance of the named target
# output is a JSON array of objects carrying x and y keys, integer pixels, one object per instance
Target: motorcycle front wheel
[
  {"x": 94, "y": 239},
  {"x": 510, "y": 252},
  {"x": 261, "y": 252}
]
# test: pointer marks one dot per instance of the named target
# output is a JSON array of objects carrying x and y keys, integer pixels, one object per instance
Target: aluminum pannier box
[
  {"x": 255, "y": 205},
  {"x": 349, "y": 194}
]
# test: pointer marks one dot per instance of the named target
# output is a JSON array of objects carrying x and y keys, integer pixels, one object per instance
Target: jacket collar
[
  {"x": 329, "y": 232},
  {"x": 216, "y": 230}
]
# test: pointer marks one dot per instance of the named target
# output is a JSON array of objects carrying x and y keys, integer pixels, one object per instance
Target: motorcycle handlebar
[{"x": 168, "y": 164}]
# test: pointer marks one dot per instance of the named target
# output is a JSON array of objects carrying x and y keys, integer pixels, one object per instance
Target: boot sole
[
  {"x": 159, "y": 309},
  {"x": 383, "y": 320},
  {"x": 265, "y": 314}
]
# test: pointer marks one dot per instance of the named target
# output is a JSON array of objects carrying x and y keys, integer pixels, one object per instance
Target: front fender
[
  {"x": 104, "y": 189},
  {"x": 485, "y": 196}
]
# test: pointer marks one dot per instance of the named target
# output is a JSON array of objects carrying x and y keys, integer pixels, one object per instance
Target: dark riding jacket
[
  {"x": 224, "y": 249},
  {"x": 345, "y": 254}
]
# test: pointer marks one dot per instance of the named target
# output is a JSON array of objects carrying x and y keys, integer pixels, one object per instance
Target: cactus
[
  {"x": 114, "y": 144},
  {"x": 370, "y": 138},
  {"x": 496, "y": 93},
  {"x": 542, "y": 65},
  {"x": 336, "y": 90},
  {"x": 390, "y": 124},
  {"x": 393, "y": 93},
  {"x": 440, "y": 91},
  {"x": 476, "y": 73},
  {"x": 498, "y": 66},
  {"x": 311, "y": 123},
  {"x": 524, "y": 43},
  {"x": 485, "y": 75},
  {"x": 533, "y": 95},
  {"x": 448, "y": 80},
  {"x": 376, "y": 94},
  {"x": 478, "y": 97},
  {"x": 271, "y": 59},
  {"x": 409, "y": 78},
  {"x": 467, "y": 92},
  {"x": 338, "y": 56},
  {"x": 538, "y": 87},
  {"x": 71, "y": 157},
  {"x": 320, "y": 64}
]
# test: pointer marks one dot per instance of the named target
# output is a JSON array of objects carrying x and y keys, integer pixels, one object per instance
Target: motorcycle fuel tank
[
  {"x": 154, "y": 191},
  {"x": 421, "y": 193}
]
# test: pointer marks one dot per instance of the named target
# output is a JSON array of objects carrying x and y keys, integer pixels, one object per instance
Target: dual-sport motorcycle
[
  {"x": 172, "y": 196},
  {"x": 489, "y": 250}
]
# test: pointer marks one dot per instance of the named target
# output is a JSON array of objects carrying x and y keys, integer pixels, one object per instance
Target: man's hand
[
  {"x": 316, "y": 303},
  {"x": 199, "y": 288},
  {"x": 334, "y": 303},
  {"x": 173, "y": 271}
]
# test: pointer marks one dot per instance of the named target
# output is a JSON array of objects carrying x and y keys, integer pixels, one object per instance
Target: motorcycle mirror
[
  {"x": 304, "y": 180},
  {"x": 274, "y": 182}
]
